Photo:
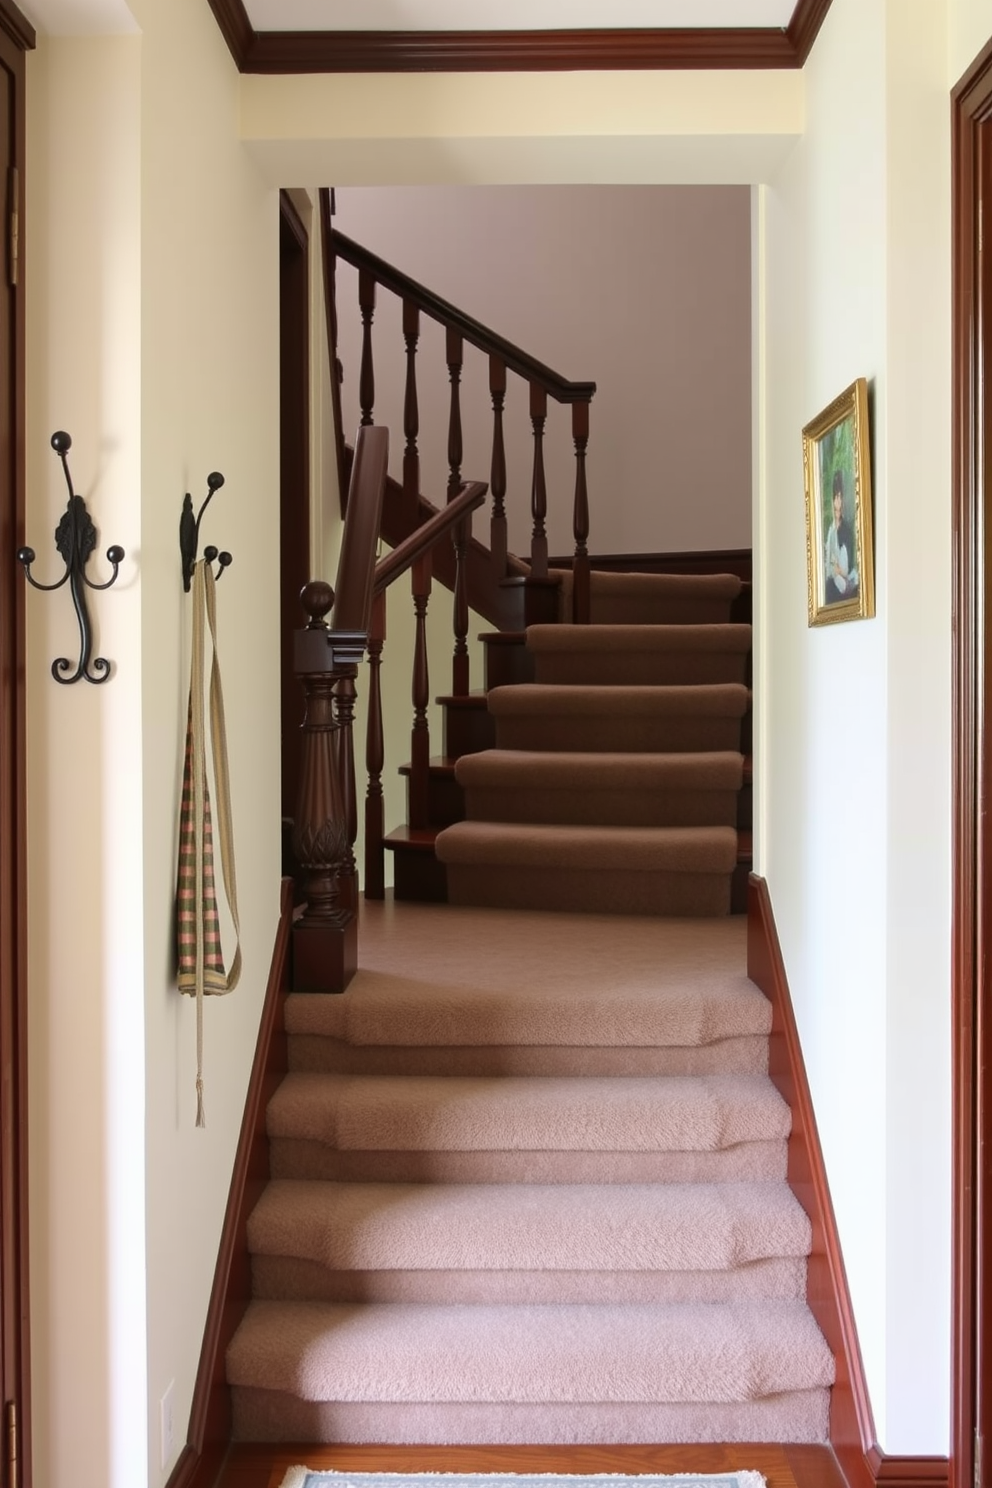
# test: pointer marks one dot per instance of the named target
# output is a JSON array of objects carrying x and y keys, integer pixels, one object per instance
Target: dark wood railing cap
[
  {"x": 453, "y": 319},
  {"x": 472, "y": 495}
]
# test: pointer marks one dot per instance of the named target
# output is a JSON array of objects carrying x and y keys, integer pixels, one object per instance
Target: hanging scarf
[{"x": 201, "y": 959}]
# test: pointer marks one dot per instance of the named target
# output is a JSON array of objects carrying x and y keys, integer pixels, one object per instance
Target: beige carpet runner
[
  {"x": 614, "y": 786},
  {"x": 528, "y": 1185}
]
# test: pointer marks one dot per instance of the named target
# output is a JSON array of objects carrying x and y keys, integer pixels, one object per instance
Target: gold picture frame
[{"x": 840, "y": 564}]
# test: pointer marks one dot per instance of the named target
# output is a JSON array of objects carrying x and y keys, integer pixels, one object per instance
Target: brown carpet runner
[{"x": 614, "y": 786}]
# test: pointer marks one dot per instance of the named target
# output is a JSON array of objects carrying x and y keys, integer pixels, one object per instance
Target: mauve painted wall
[{"x": 645, "y": 290}]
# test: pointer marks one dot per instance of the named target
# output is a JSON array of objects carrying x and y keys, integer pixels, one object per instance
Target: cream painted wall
[
  {"x": 153, "y": 265},
  {"x": 85, "y": 805},
  {"x": 209, "y": 401},
  {"x": 854, "y": 725},
  {"x": 644, "y": 290},
  {"x": 609, "y": 128},
  {"x": 969, "y": 30}
]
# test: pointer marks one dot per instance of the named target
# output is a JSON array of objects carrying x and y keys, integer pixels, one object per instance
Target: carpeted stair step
[
  {"x": 531, "y": 1373},
  {"x": 653, "y": 599},
  {"x": 514, "y": 1228},
  {"x": 632, "y": 790},
  {"x": 626, "y": 655},
  {"x": 528, "y": 1130},
  {"x": 600, "y": 869},
  {"x": 619, "y": 718},
  {"x": 395, "y": 1242},
  {"x": 491, "y": 992}
]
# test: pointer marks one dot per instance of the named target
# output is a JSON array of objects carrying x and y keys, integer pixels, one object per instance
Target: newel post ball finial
[{"x": 317, "y": 599}]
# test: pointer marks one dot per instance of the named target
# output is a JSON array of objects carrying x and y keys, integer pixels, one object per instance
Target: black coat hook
[
  {"x": 189, "y": 532},
  {"x": 75, "y": 538}
]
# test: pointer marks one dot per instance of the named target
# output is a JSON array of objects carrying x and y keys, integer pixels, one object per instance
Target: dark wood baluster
[
  {"x": 453, "y": 344},
  {"x": 420, "y": 738},
  {"x": 344, "y": 713},
  {"x": 580, "y": 516},
  {"x": 366, "y": 377},
  {"x": 411, "y": 412},
  {"x": 460, "y": 660},
  {"x": 375, "y": 754},
  {"x": 539, "y": 491},
  {"x": 325, "y": 942},
  {"x": 497, "y": 482}
]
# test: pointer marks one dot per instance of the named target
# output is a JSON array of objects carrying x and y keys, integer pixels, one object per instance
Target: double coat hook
[
  {"x": 75, "y": 538},
  {"x": 189, "y": 533}
]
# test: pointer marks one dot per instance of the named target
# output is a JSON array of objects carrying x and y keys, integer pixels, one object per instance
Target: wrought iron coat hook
[
  {"x": 189, "y": 533},
  {"x": 75, "y": 538}
]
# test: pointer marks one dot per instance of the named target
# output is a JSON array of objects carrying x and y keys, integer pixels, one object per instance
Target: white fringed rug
[{"x": 304, "y": 1477}]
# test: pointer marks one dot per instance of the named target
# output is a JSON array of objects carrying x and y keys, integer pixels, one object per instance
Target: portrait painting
[{"x": 837, "y": 476}]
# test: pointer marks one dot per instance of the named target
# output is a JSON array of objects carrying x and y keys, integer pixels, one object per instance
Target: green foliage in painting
[{"x": 836, "y": 452}]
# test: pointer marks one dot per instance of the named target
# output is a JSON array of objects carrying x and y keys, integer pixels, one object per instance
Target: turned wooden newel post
[{"x": 325, "y": 937}]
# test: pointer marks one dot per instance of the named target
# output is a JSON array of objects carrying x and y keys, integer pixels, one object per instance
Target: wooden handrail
[
  {"x": 472, "y": 495},
  {"x": 453, "y": 319},
  {"x": 356, "y": 562}
]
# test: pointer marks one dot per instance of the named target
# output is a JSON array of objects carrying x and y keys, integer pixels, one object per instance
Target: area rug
[{"x": 304, "y": 1477}]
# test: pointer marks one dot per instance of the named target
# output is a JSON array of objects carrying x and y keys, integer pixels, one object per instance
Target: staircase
[
  {"x": 528, "y": 1185},
  {"x": 528, "y": 1175},
  {"x": 620, "y": 777}
]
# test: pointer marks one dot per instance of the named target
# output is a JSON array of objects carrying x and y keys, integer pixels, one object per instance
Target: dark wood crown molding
[
  {"x": 17, "y": 26},
  {"x": 607, "y": 49},
  {"x": 235, "y": 27},
  {"x": 803, "y": 29},
  {"x": 516, "y": 51}
]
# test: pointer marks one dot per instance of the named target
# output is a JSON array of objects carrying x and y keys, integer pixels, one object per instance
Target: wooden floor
[{"x": 782, "y": 1466}]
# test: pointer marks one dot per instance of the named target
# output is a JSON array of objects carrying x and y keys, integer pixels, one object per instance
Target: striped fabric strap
[{"x": 201, "y": 961}]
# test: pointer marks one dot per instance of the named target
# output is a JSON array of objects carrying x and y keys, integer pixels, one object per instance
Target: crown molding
[
  {"x": 17, "y": 26},
  {"x": 803, "y": 29},
  {"x": 606, "y": 49},
  {"x": 235, "y": 27}
]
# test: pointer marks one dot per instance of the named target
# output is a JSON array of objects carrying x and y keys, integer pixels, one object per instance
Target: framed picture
[{"x": 837, "y": 474}]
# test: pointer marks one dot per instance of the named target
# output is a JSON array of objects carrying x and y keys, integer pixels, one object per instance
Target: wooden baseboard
[
  {"x": 907, "y": 1472},
  {"x": 852, "y": 1426},
  {"x": 209, "y": 1435}
]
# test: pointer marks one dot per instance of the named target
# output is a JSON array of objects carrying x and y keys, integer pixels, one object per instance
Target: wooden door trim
[
  {"x": 971, "y": 107},
  {"x": 15, "y": 36},
  {"x": 294, "y": 473},
  {"x": 281, "y": 52}
]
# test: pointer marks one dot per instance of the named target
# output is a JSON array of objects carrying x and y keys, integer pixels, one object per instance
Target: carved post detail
[
  {"x": 497, "y": 482},
  {"x": 539, "y": 492},
  {"x": 325, "y": 937},
  {"x": 344, "y": 715},
  {"x": 375, "y": 754},
  {"x": 366, "y": 376},
  {"x": 454, "y": 354},
  {"x": 420, "y": 738},
  {"x": 460, "y": 659},
  {"x": 580, "y": 516},
  {"x": 411, "y": 412}
]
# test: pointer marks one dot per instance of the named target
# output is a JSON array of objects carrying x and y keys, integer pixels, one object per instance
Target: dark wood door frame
[
  {"x": 15, "y": 1381},
  {"x": 294, "y": 470},
  {"x": 971, "y": 1375}
]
